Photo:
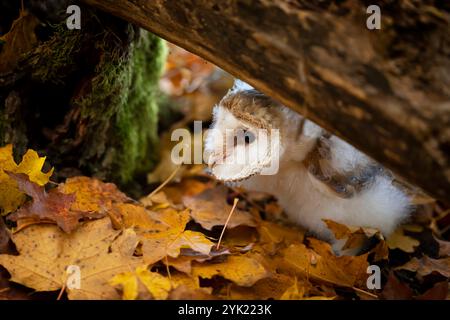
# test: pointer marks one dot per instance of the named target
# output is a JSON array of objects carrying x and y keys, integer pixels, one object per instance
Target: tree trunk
[
  {"x": 385, "y": 91},
  {"x": 84, "y": 98}
]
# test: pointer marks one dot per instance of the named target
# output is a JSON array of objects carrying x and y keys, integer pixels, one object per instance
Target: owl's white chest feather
[{"x": 306, "y": 201}]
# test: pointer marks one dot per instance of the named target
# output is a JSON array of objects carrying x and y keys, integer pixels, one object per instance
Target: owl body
[{"x": 319, "y": 176}]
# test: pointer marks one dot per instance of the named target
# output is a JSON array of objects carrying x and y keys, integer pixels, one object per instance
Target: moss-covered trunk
[{"x": 85, "y": 98}]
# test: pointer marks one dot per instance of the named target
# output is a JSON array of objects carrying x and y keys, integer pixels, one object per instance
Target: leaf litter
[{"x": 166, "y": 246}]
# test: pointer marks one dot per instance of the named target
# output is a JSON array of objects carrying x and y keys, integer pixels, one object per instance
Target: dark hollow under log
[{"x": 385, "y": 91}]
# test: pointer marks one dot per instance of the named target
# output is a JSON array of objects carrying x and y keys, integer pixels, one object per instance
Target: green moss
[
  {"x": 54, "y": 59},
  {"x": 137, "y": 122},
  {"x": 123, "y": 96},
  {"x": 95, "y": 91}
]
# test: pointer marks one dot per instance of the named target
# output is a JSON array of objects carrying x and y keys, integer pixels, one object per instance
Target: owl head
[{"x": 245, "y": 137}]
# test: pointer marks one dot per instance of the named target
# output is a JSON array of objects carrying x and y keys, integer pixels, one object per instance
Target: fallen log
[{"x": 385, "y": 91}]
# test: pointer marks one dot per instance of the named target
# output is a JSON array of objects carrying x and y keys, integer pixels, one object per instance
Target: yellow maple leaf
[
  {"x": 129, "y": 285},
  {"x": 156, "y": 284},
  {"x": 398, "y": 240},
  {"x": 242, "y": 270},
  {"x": 92, "y": 194},
  {"x": 95, "y": 248},
  {"x": 162, "y": 232},
  {"x": 10, "y": 195}
]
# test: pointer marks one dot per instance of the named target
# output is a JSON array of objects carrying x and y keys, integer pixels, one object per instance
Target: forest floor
[{"x": 193, "y": 237}]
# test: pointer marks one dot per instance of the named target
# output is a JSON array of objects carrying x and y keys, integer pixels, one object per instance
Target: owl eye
[{"x": 249, "y": 137}]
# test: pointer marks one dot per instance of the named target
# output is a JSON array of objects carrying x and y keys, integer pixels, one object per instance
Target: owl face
[{"x": 239, "y": 146}]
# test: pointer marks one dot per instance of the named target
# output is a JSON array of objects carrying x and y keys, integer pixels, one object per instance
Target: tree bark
[
  {"x": 86, "y": 99},
  {"x": 385, "y": 91}
]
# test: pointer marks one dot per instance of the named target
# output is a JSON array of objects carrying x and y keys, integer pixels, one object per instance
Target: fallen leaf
[
  {"x": 163, "y": 232},
  {"x": 438, "y": 292},
  {"x": 45, "y": 252},
  {"x": 210, "y": 209},
  {"x": 186, "y": 187},
  {"x": 294, "y": 292},
  {"x": 444, "y": 247},
  {"x": 242, "y": 270},
  {"x": 271, "y": 287},
  {"x": 426, "y": 265},
  {"x": 92, "y": 194},
  {"x": 20, "y": 39},
  {"x": 396, "y": 290},
  {"x": 158, "y": 286},
  {"x": 398, "y": 240},
  {"x": 346, "y": 271},
  {"x": 31, "y": 165},
  {"x": 54, "y": 205},
  {"x": 158, "y": 198},
  {"x": 158, "y": 246},
  {"x": 129, "y": 283},
  {"x": 4, "y": 237},
  {"x": 355, "y": 237},
  {"x": 272, "y": 234},
  {"x": 381, "y": 251},
  {"x": 184, "y": 292}
]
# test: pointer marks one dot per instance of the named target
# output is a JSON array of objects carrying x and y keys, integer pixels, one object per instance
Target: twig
[
  {"x": 162, "y": 185},
  {"x": 61, "y": 291},
  {"x": 236, "y": 200},
  {"x": 365, "y": 292}
]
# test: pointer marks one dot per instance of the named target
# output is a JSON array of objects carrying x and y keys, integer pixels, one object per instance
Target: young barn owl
[{"x": 319, "y": 175}]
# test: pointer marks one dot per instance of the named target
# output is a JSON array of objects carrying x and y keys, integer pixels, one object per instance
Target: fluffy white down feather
[{"x": 307, "y": 200}]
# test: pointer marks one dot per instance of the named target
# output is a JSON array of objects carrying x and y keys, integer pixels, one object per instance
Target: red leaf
[{"x": 53, "y": 205}]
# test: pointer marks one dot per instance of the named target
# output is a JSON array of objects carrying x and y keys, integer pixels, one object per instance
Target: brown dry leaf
[
  {"x": 211, "y": 209},
  {"x": 186, "y": 187},
  {"x": 141, "y": 219},
  {"x": 396, "y": 290},
  {"x": 4, "y": 237},
  {"x": 181, "y": 263},
  {"x": 438, "y": 292},
  {"x": 141, "y": 282},
  {"x": 157, "y": 247},
  {"x": 159, "y": 198},
  {"x": 170, "y": 242},
  {"x": 239, "y": 237},
  {"x": 381, "y": 251},
  {"x": 426, "y": 265},
  {"x": 95, "y": 247},
  {"x": 398, "y": 240},
  {"x": 271, "y": 287},
  {"x": 92, "y": 194},
  {"x": 163, "y": 232},
  {"x": 298, "y": 291},
  {"x": 355, "y": 237},
  {"x": 444, "y": 247},
  {"x": 10, "y": 195},
  {"x": 54, "y": 205},
  {"x": 242, "y": 270},
  {"x": 20, "y": 39},
  {"x": 272, "y": 234},
  {"x": 346, "y": 271},
  {"x": 184, "y": 292}
]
